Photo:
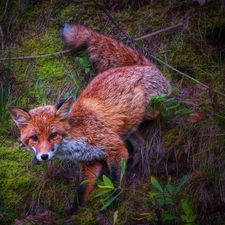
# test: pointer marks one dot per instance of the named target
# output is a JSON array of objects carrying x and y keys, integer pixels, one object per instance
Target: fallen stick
[
  {"x": 36, "y": 56},
  {"x": 159, "y": 31}
]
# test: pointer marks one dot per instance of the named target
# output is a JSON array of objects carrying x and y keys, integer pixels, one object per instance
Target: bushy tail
[
  {"x": 76, "y": 35},
  {"x": 105, "y": 52}
]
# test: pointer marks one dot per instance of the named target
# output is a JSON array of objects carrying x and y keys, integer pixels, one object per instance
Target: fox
[{"x": 92, "y": 130}]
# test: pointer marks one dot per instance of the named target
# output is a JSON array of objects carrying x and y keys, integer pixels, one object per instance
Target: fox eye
[
  {"x": 53, "y": 135},
  {"x": 34, "y": 138}
]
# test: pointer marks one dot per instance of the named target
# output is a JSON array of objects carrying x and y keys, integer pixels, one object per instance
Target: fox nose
[{"x": 44, "y": 156}]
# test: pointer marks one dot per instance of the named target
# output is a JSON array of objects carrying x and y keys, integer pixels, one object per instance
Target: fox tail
[
  {"x": 76, "y": 35},
  {"x": 104, "y": 52}
]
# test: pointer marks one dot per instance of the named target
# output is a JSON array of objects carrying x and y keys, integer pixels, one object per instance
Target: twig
[
  {"x": 37, "y": 56},
  {"x": 159, "y": 31},
  {"x": 191, "y": 78},
  {"x": 113, "y": 21}
]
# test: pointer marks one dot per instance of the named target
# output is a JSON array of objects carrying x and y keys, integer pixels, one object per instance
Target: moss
[
  {"x": 15, "y": 179},
  {"x": 170, "y": 137},
  {"x": 85, "y": 217}
]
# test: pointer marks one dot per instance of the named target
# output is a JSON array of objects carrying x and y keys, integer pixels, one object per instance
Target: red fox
[{"x": 92, "y": 130}]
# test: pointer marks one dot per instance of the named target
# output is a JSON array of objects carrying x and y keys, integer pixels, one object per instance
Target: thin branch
[
  {"x": 191, "y": 78},
  {"x": 159, "y": 31},
  {"x": 113, "y": 21},
  {"x": 37, "y": 56}
]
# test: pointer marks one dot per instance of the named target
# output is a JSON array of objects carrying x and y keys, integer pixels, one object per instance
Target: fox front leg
[
  {"x": 114, "y": 164},
  {"x": 83, "y": 190}
]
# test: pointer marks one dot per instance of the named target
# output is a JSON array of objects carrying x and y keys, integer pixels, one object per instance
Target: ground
[{"x": 188, "y": 140}]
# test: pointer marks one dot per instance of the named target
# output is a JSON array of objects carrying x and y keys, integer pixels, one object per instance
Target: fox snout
[
  {"x": 44, "y": 150},
  {"x": 44, "y": 157}
]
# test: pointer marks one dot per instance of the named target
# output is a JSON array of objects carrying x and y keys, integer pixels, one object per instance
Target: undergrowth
[{"x": 190, "y": 139}]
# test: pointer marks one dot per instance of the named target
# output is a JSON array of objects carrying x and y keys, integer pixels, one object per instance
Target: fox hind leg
[{"x": 137, "y": 142}]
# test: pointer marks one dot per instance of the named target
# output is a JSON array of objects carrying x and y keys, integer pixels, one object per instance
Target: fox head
[{"x": 43, "y": 128}]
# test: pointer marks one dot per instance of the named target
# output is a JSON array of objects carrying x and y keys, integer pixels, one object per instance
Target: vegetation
[{"x": 187, "y": 145}]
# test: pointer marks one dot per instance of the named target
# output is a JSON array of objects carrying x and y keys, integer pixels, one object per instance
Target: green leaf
[
  {"x": 88, "y": 181},
  {"x": 188, "y": 219},
  {"x": 184, "y": 218},
  {"x": 187, "y": 208},
  {"x": 184, "y": 111},
  {"x": 163, "y": 202},
  {"x": 123, "y": 166},
  {"x": 107, "y": 182},
  {"x": 86, "y": 70},
  {"x": 110, "y": 201},
  {"x": 168, "y": 181},
  {"x": 152, "y": 194},
  {"x": 156, "y": 184},
  {"x": 173, "y": 106},
  {"x": 186, "y": 199},
  {"x": 102, "y": 186},
  {"x": 162, "y": 95},
  {"x": 180, "y": 184},
  {"x": 169, "y": 217},
  {"x": 167, "y": 102},
  {"x": 191, "y": 218},
  {"x": 102, "y": 193},
  {"x": 170, "y": 189},
  {"x": 164, "y": 113},
  {"x": 161, "y": 196},
  {"x": 99, "y": 181}
]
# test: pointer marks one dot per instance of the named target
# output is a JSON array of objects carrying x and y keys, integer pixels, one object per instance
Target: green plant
[
  {"x": 168, "y": 197},
  {"x": 109, "y": 191},
  {"x": 84, "y": 61},
  {"x": 160, "y": 101},
  {"x": 161, "y": 200},
  {"x": 74, "y": 90}
]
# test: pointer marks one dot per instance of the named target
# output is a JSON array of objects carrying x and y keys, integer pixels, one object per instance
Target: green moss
[
  {"x": 85, "y": 217},
  {"x": 15, "y": 179}
]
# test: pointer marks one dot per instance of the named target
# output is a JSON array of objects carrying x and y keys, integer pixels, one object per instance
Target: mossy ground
[{"x": 181, "y": 144}]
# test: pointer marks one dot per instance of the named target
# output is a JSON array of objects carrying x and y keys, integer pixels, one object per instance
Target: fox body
[{"x": 92, "y": 130}]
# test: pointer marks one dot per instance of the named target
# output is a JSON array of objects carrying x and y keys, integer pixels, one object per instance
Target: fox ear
[
  {"x": 20, "y": 116},
  {"x": 64, "y": 108}
]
